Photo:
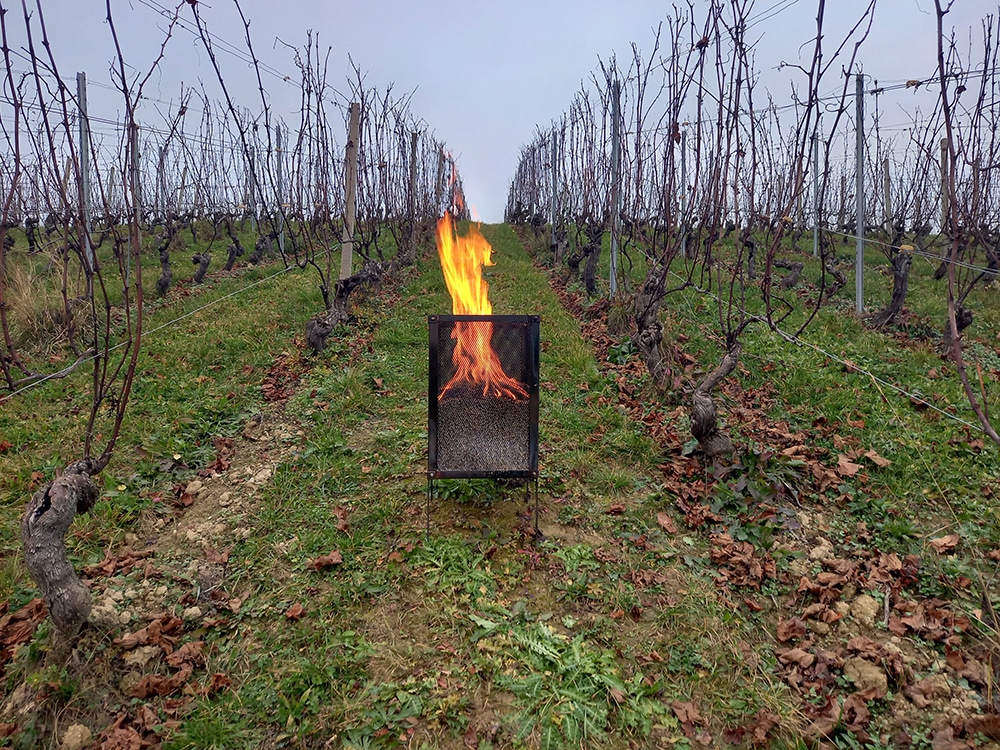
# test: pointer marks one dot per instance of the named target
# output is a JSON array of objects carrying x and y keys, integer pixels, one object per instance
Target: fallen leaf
[
  {"x": 795, "y": 656},
  {"x": 190, "y": 654},
  {"x": 295, "y": 612},
  {"x": 877, "y": 459},
  {"x": 943, "y": 544},
  {"x": 764, "y": 722},
  {"x": 687, "y": 713},
  {"x": 666, "y": 522},
  {"x": 156, "y": 684},
  {"x": 218, "y": 556},
  {"x": 944, "y": 739},
  {"x": 846, "y": 467},
  {"x": 162, "y": 632},
  {"x": 615, "y": 510},
  {"x": 790, "y": 629},
  {"x": 340, "y": 513},
  {"x": 327, "y": 561},
  {"x": 988, "y": 725}
]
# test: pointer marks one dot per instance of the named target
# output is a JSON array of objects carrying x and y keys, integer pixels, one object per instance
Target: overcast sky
[{"x": 484, "y": 75}]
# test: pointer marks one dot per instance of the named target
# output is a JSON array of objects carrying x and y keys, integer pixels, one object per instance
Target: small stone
[
  {"x": 22, "y": 702},
  {"x": 132, "y": 540},
  {"x": 224, "y": 499},
  {"x": 262, "y": 476},
  {"x": 131, "y": 593},
  {"x": 865, "y": 675},
  {"x": 891, "y": 648},
  {"x": 76, "y": 737},
  {"x": 192, "y": 613},
  {"x": 125, "y": 617},
  {"x": 195, "y": 487},
  {"x": 842, "y": 608},
  {"x": 192, "y": 535},
  {"x": 936, "y": 686},
  {"x": 822, "y": 551},
  {"x": 864, "y": 609},
  {"x": 849, "y": 591},
  {"x": 160, "y": 591},
  {"x": 141, "y": 657},
  {"x": 799, "y": 568},
  {"x": 128, "y": 682},
  {"x": 819, "y": 627},
  {"x": 105, "y": 614},
  {"x": 115, "y": 595}
]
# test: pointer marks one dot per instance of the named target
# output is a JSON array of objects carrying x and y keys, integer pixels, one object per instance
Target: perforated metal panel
[{"x": 483, "y": 427}]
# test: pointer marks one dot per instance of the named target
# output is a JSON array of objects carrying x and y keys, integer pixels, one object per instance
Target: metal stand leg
[
  {"x": 527, "y": 499},
  {"x": 427, "y": 510}
]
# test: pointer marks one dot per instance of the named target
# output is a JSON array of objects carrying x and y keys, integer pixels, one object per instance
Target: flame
[{"x": 475, "y": 362}]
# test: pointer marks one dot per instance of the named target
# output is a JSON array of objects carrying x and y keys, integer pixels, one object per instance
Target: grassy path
[{"x": 474, "y": 637}]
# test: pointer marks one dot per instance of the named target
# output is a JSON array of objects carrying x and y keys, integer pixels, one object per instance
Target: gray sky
[{"x": 483, "y": 74}]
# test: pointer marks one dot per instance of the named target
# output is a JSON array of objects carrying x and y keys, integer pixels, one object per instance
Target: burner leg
[{"x": 427, "y": 510}]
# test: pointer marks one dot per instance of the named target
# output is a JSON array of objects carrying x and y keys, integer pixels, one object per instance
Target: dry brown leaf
[
  {"x": 944, "y": 544},
  {"x": 846, "y": 467},
  {"x": 156, "y": 684},
  {"x": 295, "y": 612},
  {"x": 340, "y": 513},
  {"x": 764, "y": 722},
  {"x": 221, "y": 557},
  {"x": 790, "y": 629},
  {"x": 944, "y": 739},
  {"x": 988, "y": 725},
  {"x": 687, "y": 713},
  {"x": 190, "y": 654},
  {"x": 797, "y": 656},
  {"x": 877, "y": 459},
  {"x": 327, "y": 561},
  {"x": 666, "y": 522}
]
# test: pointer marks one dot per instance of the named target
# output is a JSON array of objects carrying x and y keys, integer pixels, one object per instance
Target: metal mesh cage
[{"x": 483, "y": 426}]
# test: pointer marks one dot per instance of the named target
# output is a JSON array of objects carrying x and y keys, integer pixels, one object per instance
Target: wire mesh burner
[{"x": 483, "y": 397}]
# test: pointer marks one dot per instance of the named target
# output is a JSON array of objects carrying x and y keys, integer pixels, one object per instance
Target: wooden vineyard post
[
  {"x": 350, "y": 192},
  {"x": 88, "y": 250},
  {"x": 815, "y": 176},
  {"x": 616, "y": 168},
  {"x": 412, "y": 202},
  {"x": 944, "y": 186}
]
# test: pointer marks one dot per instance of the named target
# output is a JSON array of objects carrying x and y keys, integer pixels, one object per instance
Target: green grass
[{"x": 584, "y": 638}]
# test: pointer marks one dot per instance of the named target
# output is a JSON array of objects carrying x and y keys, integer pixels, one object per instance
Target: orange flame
[{"x": 476, "y": 364}]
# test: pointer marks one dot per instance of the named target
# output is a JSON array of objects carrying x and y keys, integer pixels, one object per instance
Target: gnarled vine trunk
[
  {"x": 704, "y": 417},
  {"x": 43, "y": 531},
  {"x": 648, "y": 337},
  {"x": 319, "y": 328},
  {"x": 901, "y": 262}
]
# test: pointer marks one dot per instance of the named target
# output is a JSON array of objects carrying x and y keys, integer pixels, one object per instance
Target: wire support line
[
  {"x": 169, "y": 323},
  {"x": 915, "y": 251},
  {"x": 792, "y": 339}
]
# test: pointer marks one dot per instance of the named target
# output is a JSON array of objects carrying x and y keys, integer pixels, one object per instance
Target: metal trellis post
[{"x": 859, "y": 194}]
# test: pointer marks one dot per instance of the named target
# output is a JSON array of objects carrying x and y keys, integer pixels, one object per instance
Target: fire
[{"x": 476, "y": 364}]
